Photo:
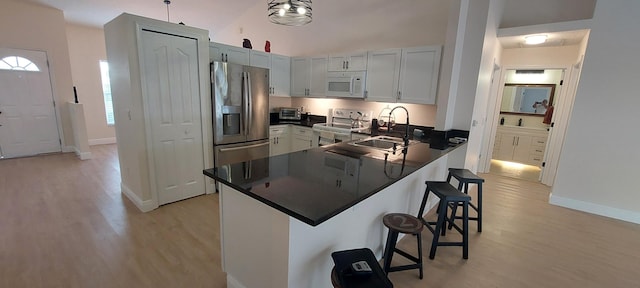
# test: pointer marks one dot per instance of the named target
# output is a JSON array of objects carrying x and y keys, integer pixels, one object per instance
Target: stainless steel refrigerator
[{"x": 240, "y": 97}]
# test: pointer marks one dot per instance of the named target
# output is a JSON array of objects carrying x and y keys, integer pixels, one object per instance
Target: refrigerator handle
[
  {"x": 245, "y": 99},
  {"x": 249, "y": 103},
  {"x": 243, "y": 147}
]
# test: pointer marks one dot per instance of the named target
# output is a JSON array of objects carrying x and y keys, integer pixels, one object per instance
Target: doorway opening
[{"x": 525, "y": 105}]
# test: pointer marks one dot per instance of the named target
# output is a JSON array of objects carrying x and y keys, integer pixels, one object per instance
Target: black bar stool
[
  {"x": 406, "y": 224},
  {"x": 466, "y": 177},
  {"x": 343, "y": 274},
  {"x": 448, "y": 195}
]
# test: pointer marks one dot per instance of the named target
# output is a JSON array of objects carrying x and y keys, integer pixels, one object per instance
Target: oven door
[{"x": 326, "y": 137}]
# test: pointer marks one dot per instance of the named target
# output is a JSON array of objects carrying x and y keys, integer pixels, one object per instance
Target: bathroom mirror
[{"x": 530, "y": 99}]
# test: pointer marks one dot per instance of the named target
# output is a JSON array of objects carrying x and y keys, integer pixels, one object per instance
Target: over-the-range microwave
[{"x": 346, "y": 84}]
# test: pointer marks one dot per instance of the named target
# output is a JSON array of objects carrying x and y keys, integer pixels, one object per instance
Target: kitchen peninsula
[{"x": 279, "y": 231}]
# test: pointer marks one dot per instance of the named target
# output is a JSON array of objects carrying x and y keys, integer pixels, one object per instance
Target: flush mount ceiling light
[
  {"x": 290, "y": 12},
  {"x": 535, "y": 39}
]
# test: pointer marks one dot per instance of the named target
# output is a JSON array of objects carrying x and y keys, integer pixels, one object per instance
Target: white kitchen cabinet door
[
  {"x": 318, "y": 76},
  {"x": 301, "y": 138},
  {"x": 259, "y": 59},
  {"x": 170, "y": 77},
  {"x": 280, "y": 140},
  {"x": 383, "y": 73},
  {"x": 419, "y": 75},
  {"x": 300, "y": 73},
  {"x": 280, "y": 75},
  {"x": 348, "y": 62},
  {"x": 230, "y": 54}
]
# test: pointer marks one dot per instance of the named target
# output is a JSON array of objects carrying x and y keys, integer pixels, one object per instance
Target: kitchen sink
[{"x": 382, "y": 142}]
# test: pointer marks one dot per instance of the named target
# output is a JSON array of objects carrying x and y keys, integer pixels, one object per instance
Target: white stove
[{"x": 341, "y": 122}]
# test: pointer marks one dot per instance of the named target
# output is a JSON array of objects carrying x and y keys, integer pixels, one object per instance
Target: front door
[
  {"x": 28, "y": 124},
  {"x": 171, "y": 76}
]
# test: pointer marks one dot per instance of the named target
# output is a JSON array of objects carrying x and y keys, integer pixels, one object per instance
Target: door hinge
[
  {"x": 544, "y": 163},
  {"x": 561, "y": 81}
]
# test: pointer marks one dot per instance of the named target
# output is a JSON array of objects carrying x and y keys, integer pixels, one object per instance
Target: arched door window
[{"x": 17, "y": 63}]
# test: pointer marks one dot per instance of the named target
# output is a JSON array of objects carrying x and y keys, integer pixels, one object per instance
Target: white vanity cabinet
[
  {"x": 348, "y": 62},
  {"x": 231, "y": 54},
  {"x": 308, "y": 76},
  {"x": 279, "y": 140},
  {"x": 408, "y": 75},
  {"x": 520, "y": 144}
]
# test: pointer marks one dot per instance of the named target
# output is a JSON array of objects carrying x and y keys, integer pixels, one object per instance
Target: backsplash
[{"x": 419, "y": 114}]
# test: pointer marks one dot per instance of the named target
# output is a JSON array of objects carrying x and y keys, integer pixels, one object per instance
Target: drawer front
[
  {"x": 535, "y": 159},
  {"x": 537, "y": 150},
  {"x": 302, "y": 132},
  {"x": 539, "y": 141}
]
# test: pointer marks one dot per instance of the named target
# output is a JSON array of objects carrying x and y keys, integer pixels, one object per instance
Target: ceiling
[{"x": 217, "y": 14}]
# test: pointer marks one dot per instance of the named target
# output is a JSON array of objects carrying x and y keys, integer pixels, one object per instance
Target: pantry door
[
  {"x": 28, "y": 124},
  {"x": 170, "y": 74}
]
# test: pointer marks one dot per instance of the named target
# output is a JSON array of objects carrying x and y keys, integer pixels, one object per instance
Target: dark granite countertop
[{"x": 312, "y": 185}]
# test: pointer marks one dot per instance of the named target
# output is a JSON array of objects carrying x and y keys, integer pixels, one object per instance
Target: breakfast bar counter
[{"x": 279, "y": 231}]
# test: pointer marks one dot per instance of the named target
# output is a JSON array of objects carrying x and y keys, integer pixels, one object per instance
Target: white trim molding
[
  {"x": 144, "y": 206},
  {"x": 620, "y": 214},
  {"x": 102, "y": 141},
  {"x": 83, "y": 155}
]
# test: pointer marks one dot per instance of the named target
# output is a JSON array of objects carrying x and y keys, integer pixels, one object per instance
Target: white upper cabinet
[
  {"x": 259, "y": 59},
  {"x": 279, "y": 71},
  {"x": 280, "y": 75},
  {"x": 308, "y": 76},
  {"x": 348, "y": 62},
  {"x": 318, "y": 76},
  {"x": 383, "y": 73},
  {"x": 419, "y": 75},
  {"x": 226, "y": 53},
  {"x": 300, "y": 73},
  {"x": 403, "y": 75}
]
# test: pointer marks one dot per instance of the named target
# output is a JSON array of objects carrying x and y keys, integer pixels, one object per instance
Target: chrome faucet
[{"x": 406, "y": 132}]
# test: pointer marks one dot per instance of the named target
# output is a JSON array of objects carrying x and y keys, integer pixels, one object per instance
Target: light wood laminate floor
[{"x": 64, "y": 223}]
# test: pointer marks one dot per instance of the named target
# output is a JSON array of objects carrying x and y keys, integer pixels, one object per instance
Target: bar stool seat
[
  {"x": 466, "y": 177},
  {"x": 343, "y": 275},
  {"x": 448, "y": 195},
  {"x": 406, "y": 224}
]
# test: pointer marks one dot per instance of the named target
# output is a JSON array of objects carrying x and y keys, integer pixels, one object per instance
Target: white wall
[
  {"x": 598, "y": 167},
  {"x": 490, "y": 56},
  {"x": 33, "y": 27},
  {"x": 86, "y": 49}
]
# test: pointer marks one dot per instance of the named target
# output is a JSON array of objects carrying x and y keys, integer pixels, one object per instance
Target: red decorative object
[{"x": 267, "y": 46}]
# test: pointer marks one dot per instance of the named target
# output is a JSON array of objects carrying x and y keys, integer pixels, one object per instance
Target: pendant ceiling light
[{"x": 290, "y": 12}]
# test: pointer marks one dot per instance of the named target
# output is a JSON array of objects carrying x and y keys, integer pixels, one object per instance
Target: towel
[{"x": 548, "y": 115}]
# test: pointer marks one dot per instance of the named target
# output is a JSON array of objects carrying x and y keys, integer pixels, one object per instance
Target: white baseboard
[
  {"x": 101, "y": 141},
  {"x": 144, "y": 206},
  {"x": 620, "y": 214},
  {"x": 233, "y": 283},
  {"x": 83, "y": 155}
]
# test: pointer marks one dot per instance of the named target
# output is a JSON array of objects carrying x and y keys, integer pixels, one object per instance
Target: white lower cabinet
[
  {"x": 522, "y": 145},
  {"x": 279, "y": 140},
  {"x": 302, "y": 138}
]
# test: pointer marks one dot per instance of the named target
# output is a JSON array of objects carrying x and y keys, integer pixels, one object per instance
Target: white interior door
[
  {"x": 27, "y": 115},
  {"x": 173, "y": 100}
]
